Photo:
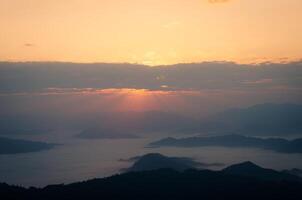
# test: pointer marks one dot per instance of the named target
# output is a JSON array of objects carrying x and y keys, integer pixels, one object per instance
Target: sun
[{"x": 137, "y": 100}]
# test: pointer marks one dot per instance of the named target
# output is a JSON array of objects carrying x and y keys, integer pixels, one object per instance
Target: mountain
[
  {"x": 294, "y": 171},
  {"x": 262, "y": 119},
  {"x": 14, "y": 146},
  {"x": 274, "y": 144},
  {"x": 155, "y": 161},
  {"x": 249, "y": 169},
  {"x": 165, "y": 184}
]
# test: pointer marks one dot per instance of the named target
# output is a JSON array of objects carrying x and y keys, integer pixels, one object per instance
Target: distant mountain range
[
  {"x": 14, "y": 146},
  {"x": 294, "y": 171},
  {"x": 240, "y": 181},
  {"x": 262, "y": 119},
  {"x": 259, "y": 120},
  {"x": 274, "y": 144}
]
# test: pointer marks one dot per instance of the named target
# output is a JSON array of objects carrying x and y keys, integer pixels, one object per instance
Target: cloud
[
  {"x": 105, "y": 92},
  {"x": 260, "y": 81},
  {"x": 228, "y": 76}
]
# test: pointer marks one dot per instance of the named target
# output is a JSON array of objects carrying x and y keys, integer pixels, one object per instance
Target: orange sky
[{"x": 150, "y": 31}]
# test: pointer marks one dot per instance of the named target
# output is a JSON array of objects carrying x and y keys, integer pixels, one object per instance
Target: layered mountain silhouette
[
  {"x": 155, "y": 161},
  {"x": 294, "y": 171},
  {"x": 233, "y": 140},
  {"x": 249, "y": 169},
  {"x": 263, "y": 119},
  {"x": 241, "y": 181},
  {"x": 259, "y": 120},
  {"x": 14, "y": 146}
]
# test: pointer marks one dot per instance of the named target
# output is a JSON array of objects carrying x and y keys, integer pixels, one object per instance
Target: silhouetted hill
[
  {"x": 294, "y": 171},
  {"x": 164, "y": 184},
  {"x": 275, "y": 144},
  {"x": 155, "y": 161},
  {"x": 249, "y": 169},
  {"x": 14, "y": 146},
  {"x": 262, "y": 119}
]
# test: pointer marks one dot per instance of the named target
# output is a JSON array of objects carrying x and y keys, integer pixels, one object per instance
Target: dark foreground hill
[
  {"x": 295, "y": 171},
  {"x": 232, "y": 183}
]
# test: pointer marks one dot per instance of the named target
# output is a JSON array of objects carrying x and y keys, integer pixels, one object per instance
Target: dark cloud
[{"x": 39, "y": 76}]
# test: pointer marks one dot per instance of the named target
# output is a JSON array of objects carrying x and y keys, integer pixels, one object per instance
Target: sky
[
  {"x": 151, "y": 32},
  {"x": 237, "y": 53}
]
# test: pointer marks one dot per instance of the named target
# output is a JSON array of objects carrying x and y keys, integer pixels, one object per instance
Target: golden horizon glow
[
  {"x": 150, "y": 32},
  {"x": 119, "y": 99}
]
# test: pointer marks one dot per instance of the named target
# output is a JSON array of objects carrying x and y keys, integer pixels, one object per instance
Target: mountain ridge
[
  {"x": 165, "y": 184},
  {"x": 233, "y": 141}
]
